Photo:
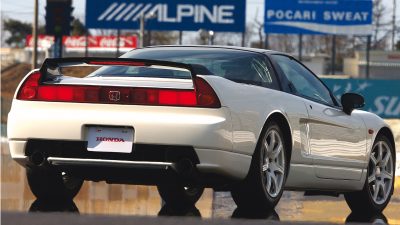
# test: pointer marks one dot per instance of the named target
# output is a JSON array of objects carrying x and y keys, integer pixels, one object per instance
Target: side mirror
[{"x": 351, "y": 101}]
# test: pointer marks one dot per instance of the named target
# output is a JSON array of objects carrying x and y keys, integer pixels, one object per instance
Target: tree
[
  {"x": 78, "y": 29},
  {"x": 380, "y": 33},
  {"x": 18, "y": 31},
  {"x": 398, "y": 46},
  {"x": 161, "y": 38}
]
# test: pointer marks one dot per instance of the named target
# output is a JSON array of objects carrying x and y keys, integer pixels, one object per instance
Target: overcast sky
[{"x": 23, "y": 9}]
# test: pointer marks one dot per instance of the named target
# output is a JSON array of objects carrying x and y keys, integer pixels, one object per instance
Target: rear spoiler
[{"x": 50, "y": 66}]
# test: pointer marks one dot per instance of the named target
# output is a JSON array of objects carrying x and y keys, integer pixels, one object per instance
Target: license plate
[{"x": 109, "y": 139}]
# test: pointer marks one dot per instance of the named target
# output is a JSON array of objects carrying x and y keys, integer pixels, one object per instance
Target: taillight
[
  {"x": 206, "y": 96},
  {"x": 202, "y": 96},
  {"x": 28, "y": 90}
]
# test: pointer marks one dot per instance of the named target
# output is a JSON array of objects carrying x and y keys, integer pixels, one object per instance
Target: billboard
[
  {"x": 382, "y": 97},
  {"x": 318, "y": 17},
  {"x": 78, "y": 43},
  {"x": 183, "y": 15}
]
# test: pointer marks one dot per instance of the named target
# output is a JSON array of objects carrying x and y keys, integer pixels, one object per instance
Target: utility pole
[
  {"x": 368, "y": 56},
  {"x": 180, "y": 37},
  {"x": 141, "y": 33},
  {"x": 300, "y": 47},
  {"x": 394, "y": 26},
  {"x": 35, "y": 34},
  {"x": 333, "y": 59}
]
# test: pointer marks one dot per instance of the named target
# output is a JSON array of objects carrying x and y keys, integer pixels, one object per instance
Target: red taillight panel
[
  {"x": 202, "y": 96},
  {"x": 28, "y": 90},
  {"x": 206, "y": 96}
]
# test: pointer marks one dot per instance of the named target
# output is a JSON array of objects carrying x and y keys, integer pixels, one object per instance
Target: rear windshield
[{"x": 236, "y": 65}]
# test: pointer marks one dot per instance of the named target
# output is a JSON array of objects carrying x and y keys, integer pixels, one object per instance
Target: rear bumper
[
  {"x": 211, "y": 167},
  {"x": 158, "y": 125},
  {"x": 206, "y": 131}
]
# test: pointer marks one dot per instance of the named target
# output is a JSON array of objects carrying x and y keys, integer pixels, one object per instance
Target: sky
[{"x": 23, "y": 9}]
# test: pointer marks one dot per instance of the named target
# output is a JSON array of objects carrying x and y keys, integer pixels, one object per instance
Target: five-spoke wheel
[
  {"x": 264, "y": 184},
  {"x": 274, "y": 162},
  {"x": 378, "y": 187}
]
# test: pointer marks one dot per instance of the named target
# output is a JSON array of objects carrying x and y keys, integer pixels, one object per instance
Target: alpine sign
[
  {"x": 318, "y": 16},
  {"x": 184, "y": 15}
]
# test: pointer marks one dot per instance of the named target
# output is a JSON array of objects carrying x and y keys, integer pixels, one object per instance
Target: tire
[
  {"x": 380, "y": 174},
  {"x": 260, "y": 191},
  {"x": 53, "y": 185},
  {"x": 177, "y": 196}
]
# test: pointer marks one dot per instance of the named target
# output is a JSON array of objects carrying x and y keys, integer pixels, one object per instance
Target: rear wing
[
  {"x": 36, "y": 85},
  {"x": 51, "y": 66}
]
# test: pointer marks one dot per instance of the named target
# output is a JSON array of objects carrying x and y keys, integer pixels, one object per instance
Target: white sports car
[{"x": 251, "y": 121}]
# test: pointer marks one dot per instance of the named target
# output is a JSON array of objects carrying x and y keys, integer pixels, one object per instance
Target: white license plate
[{"x": 109, "y": 139}]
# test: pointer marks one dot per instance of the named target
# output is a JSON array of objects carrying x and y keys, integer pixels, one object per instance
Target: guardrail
[{"x": 382, "y": 97}]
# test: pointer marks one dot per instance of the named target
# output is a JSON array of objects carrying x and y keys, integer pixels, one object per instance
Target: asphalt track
[{"x": 76, "y": 219}]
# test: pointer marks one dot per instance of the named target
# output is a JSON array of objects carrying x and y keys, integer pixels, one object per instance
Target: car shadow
[
  {"x": 240, "y": 213},
  {"x": 40, "y": 205},
  {"x": 366, "y": 218},
  {"x": 68, "y": 206},
  {"x": 190, "y": 211}
]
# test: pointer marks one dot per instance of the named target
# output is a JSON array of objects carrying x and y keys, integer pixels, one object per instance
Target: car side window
[
  {"x": 302, "y": 81},
  {"x": 252, "y": 70}
]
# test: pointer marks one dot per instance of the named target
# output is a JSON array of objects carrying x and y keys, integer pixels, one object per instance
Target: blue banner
[
  {"x": 181, "y": 15},
  {"x": 318, "y": 17},
  {"x": 382, "y": 97}
]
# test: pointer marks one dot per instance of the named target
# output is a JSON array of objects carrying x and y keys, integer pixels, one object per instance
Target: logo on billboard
[
  {"x": 318, "y": 16},
  {"x": 222, "y": 14}
]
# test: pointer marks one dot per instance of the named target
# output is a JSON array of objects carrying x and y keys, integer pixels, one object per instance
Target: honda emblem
[{"x": 114, "y": 95}]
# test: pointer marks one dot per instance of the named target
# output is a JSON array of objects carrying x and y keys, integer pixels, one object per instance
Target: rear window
[
  {"x": 236, "y": 65},
  {"x": 140, "y": 71}
]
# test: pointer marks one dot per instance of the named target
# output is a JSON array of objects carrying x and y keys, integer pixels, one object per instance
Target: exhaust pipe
[
  {"x": 185, "y": 167},
  {"x": 38, "y": 159}
]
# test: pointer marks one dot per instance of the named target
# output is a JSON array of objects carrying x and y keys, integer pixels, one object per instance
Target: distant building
[
  {"x": 383, "y": 65},
  {"x": 317, "y": 63}
]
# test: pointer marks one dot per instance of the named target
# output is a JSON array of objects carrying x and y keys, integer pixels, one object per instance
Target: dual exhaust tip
[{"x": 38, "y": 159}]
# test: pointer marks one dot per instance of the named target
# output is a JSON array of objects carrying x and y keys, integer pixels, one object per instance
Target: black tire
[
  {"x": 53, "y": 185},
  {"x": 251, "y": 194},
  {"x": 178, "y": 196},
  {"x": 363, "y": 201}
]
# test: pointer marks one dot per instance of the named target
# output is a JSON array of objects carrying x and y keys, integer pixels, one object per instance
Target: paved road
[{"x": 76, "y": 219}]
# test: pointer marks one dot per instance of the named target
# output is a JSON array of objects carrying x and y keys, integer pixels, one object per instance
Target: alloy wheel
[
  {"x": 380, "y": 172},
  {"x": 273, "y": 164}
]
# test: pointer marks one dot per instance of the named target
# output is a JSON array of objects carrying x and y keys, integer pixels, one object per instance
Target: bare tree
[{"x": 380, "y": 31}]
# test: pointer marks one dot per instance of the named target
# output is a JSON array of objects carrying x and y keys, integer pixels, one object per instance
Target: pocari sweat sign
[
  {"x": 184, "y": 15},
  {"x": 318, "y": 16}
]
